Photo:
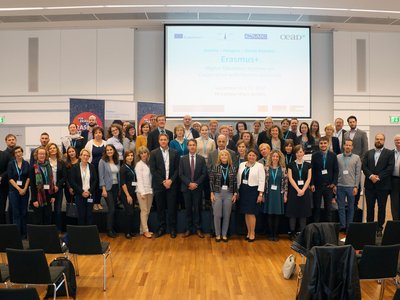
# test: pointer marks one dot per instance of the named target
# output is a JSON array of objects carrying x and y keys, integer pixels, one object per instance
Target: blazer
[
  {"x": 194, "y": 132},
  {"x": 256, "y": 176},
  {"x": 215, "y": 176},
  {"x": 157, "y": 168},
  {"x": 335, "y": 145},
  {"x": 213, "y": 157},
  {"x": 76, "y": 179},
  {"x": 263, "y": 137},
  {"x": 360, "y": 142},
  {"x": 269, "y": 142},
  {"x": 342, "y": 133},
  {"x": 4, "y": 160},
  {"x": 200, "y": 172},
  {"x": 317, "y": 166},
  {"x": 152, "y": 138},
  {"x": 61, "y": 174},
  {"x": 290, "y": 135},
  {"x": 105, "y": 174},
  {"x": 383, "y": 168}
]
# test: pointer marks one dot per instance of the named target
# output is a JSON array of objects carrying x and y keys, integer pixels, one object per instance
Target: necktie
[
  {"x": 192, "y": 167},
  {"x": 162, "y": 131}
]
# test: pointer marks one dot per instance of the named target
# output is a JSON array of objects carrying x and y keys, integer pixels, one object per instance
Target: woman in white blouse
[
  {"x": 144, "y": 192},
  {"x": 251, "y": 183},
  {"x": 205, "y": 145}
]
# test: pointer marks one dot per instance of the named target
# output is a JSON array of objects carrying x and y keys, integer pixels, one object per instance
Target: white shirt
[
  {"x": 53, "y": 164},
  {"x": 165, "y": 154},
  {"x": 339, "y": 135},
  {"x": 188, "y": 133},
  {"x": 85, "y": 174},
  {"x": 256, "y": 175},
  {"x": 352, "y": 133},
  {"x": 143, "y": 177}
]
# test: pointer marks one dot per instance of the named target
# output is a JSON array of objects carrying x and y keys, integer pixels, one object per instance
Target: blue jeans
[
  {"x": 19, "y": 206},
  {"x": 342, "y": 192}
]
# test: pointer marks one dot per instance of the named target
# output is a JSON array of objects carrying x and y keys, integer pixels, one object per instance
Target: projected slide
[{"x": 237, "y": 71}]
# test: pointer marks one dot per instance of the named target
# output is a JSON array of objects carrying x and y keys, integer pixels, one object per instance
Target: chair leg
[
  {"x": 382, "y": 289},
  {"x": 55, "y": 291},
  {"x": 66, "y": 285},
  {"x": 112, "y": 268},
  {"x": 105, "y": 271},
  {"x": 76, "y": 264}
]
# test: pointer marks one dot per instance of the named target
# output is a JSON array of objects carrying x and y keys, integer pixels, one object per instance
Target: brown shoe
[
  {"x": 186, "y": 234},
  {"x": 200, "y": 234}
]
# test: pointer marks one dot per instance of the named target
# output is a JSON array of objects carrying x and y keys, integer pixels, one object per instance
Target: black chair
[
  {"x": 361, "y": 234},
  {"x": 29, "y": 267},
  {"x": 85, "y": 240},
  {"x": 18, "y": 294},
  {"x": 379, "y": 263},
  {"x": 391, "y": 235},
  {"x": 45, "y": 237},
  {"x": 10, "y": 237},
  {"x": 330, "y": 273},
  {"x": 4, "y": 274}
]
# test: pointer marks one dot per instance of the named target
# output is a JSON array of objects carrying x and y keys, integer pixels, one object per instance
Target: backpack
[{"x": 69, "y": 274}]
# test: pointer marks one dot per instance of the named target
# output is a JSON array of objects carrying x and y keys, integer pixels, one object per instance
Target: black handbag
[{"x": 71, "y": 210}]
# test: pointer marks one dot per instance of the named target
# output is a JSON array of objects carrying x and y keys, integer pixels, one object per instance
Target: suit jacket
[
  {"x": 105, "y": 175},
  {"x": 152, "y": 138},
  {"x": 360, "y": 142},
  {"x": 342, "y": 133},
  {"x": 61, "y": 174},
  {"x": 200, "y": 172},
  {"x": 263, "y": 137},
  {"x": 76, "y": 179},
  {"x": 318, "y": 179},
  {"x": 335, "y": 145},
  {"x": 213, "y": 157},
  {"x": 290, "y": 135},
  {"x": 4, "y": 160},
  {"x": 194, "y": 132},
  {"x": 269, "y": 142},
  {"x": 383, "y": 168},
  {"x": 157, "y": 168}
]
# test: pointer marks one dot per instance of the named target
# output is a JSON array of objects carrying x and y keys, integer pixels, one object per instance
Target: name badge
[
  {"x": 46, "y": 186},
  {"x": 245, "y": 181},
  {"x": 134, "y": 183},
  {"x": 225, "y": 187},
  {"x": 19, "y": 182},
  {"x": 324, "y": 172},
  {"x": 300, "y": 182},
  {"x": 274, "y": 187},
  {"x": 89, "y": 200},
  {"x": 345, "y": 172}
]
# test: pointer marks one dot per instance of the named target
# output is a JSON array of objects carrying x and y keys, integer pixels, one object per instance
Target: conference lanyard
[
  {"x": 182, "y": 146},
  {"x": 300, "y": 171},
  {"x": 286, "y": 134},
  {"x": 324, "y": 160},
  {"x": 288, "y": 160},
  {"x": 73, "y": 143},
  {"x": 19, "y": 172},
  {"x": 224, "y": 173},
  {"x": 274, "y": 175},
  {"x": 246, "y": 173},
  {"x": 46, "y": 177},
  {"x": 132, "y": 171}
]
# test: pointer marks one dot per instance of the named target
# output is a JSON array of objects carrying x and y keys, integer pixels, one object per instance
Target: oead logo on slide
[
  {"x": 178, "y": 35},
  {"x": 292, "y": 37},
  {"x": 255, "y": 36}
]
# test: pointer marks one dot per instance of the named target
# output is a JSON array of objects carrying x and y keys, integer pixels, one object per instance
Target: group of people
[{"x": 280, "y": 171}]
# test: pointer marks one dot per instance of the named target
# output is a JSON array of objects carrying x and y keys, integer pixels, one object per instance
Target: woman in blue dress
[{"x": 276, "y": 185}]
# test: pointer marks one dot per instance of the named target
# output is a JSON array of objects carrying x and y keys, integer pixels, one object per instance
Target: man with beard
[
  {"x": 339, "y": 132},
  {"x": 87, "y": 134},
  {"x": 44, "y": 140},
  {"x": 378, "y": 164}
]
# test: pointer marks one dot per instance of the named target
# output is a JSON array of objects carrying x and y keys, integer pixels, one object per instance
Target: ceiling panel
[
  {"x": 224, "y": 16},
  {"x": 19, "y": 19},
  {"x": 362, "y": 20},
  {"x": 172, "y": 16},
  {"x": 323, "y": 19},
  {"x": 78, "y": 17},
  {"x": 122, "y": 16},
  {"x": 274, "y": 17}
]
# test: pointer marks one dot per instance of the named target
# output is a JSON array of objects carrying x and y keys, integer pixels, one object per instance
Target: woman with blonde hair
[
  {"x": 180, "y": 142},
  {"x": 265, "y": 150},
  {"x": 205, "y": 144},
  {"x": 223, "y": 193},
  {"x": 144, "y": 191},
  {"x": 276, "y": 187},
  {"x": 334, "y": 144}
]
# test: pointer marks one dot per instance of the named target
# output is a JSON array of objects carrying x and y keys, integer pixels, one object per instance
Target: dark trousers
[
  {"x": 57, "y": 209},
  {"x": 85, "y": 210},
  {"x": 372, "y": 196},
  {"x": 19, "y": 206},
  {"x": 42, "y": 214},
  {"x": 3, "y": 201},
  {"x": 395, "y": 198},
  {"x": 273, "y": 224},
  {"x": 166, "y": 199},
  {"x": 111, "y": 201},
  {"x": 192, "y": 205},
  {"x": 129, "y": 211},
  {"x": 327, "y": 193}
]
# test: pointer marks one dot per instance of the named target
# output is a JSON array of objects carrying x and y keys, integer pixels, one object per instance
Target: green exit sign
[
  {"x": 394, "y": 119},
  {"x": 2, "y": 119}
]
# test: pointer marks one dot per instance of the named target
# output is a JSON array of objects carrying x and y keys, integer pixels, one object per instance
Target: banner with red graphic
[{"x": 81, "y": 109}]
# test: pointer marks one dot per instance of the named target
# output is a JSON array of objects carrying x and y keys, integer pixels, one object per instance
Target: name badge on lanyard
[
  {"x": 345, "y": 172},
  {"x": 19, "y": 182},
  {"x": 300, "y": 182},
  {"x": 134, "y": 183},
  {"x": 324, "y": 172},
  {"x": 225, "y": 187},
  {"x": 274, "y": 187},
  {"x": 46, "y": 186}
]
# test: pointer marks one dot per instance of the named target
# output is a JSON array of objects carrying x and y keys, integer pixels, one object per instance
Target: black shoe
[
  {"x": 128, "y": 236},
  {"x": 159, "y": 233},
  {"x": 218, "y": 239},
  {"x": 173, "y": 234},
  {"x": 225, "y": 239},
  {"x": 251, "y": 240},
  {"x": 111, "y": 234}
]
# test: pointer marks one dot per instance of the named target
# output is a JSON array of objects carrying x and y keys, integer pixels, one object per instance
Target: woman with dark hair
[
  {"x": 141, "y": 140},
  {"x": 130, "y": 138},
  {"x": 18, "y": 193},
  {"x": 116, "y": 138},
  {"x": 84, "y": 182},
  {"x": 71, "y": 160},
  {"x": 109, "y": 184},
  {"x": 251, "y": 183},
  {"x": 247, "y": 137},
  {"x": 96, "y": 147},
  {"x": 276, "y": 141},
  {"x": 305, "y": 139},
  {"x": 128, "y": 181},
  {"x": 42, "y": 187},
  {"x": 241, "y": 153},
  {"x": 59, "y": 179},
  {"x": 74, "y": 139},
  {"x": 314, "y": 130},
  {"x": 288, "y": 153},
  {"x": 240, "y": 127}
]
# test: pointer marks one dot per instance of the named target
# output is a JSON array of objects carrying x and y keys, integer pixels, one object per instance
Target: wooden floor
[{"x": 195, "y": 268}]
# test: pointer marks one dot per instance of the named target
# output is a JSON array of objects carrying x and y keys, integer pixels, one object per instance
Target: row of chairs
[{"x": 44, "y": 239}]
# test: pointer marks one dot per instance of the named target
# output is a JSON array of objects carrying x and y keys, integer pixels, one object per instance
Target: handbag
[
  {"x": 71, "y": 210},
  {"x": 289, "y": 266}
]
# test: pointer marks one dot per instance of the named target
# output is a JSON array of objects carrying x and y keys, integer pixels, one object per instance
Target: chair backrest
[
  {"x": 83, "y": 240},
  {"x": 28, "y": 266},
  {"x": 361, "y": 234},
  {"x": 379, "y": 262},
  {"x": 44, "y": 237},
  {"x": 18, "y": 294},
  {"x": 10, "y": 237},
  {"x": 391, "y": 235}
]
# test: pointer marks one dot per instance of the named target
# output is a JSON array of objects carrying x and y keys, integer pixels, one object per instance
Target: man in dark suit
[
  {"x": 221, "y": 145},
  {"x": 164, "y": 167},
  {"x": 339, "y": 132},
  {"x": 4, "y": 159},
  {"x": 192, "y": 172},
  {"x": 286, "y": 132},
  {"x": 325, "y": 173},
  {"x": 152, "y": 138},
  {"x": 378, "y": 167},
  {"x": 395, "y": 192},
  {"x": 190, "y": 132}
]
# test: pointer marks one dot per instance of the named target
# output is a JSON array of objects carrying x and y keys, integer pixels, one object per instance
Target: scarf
[
  {"x": 40, "y": 181},
  {"x": 67, "y": 140}
]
